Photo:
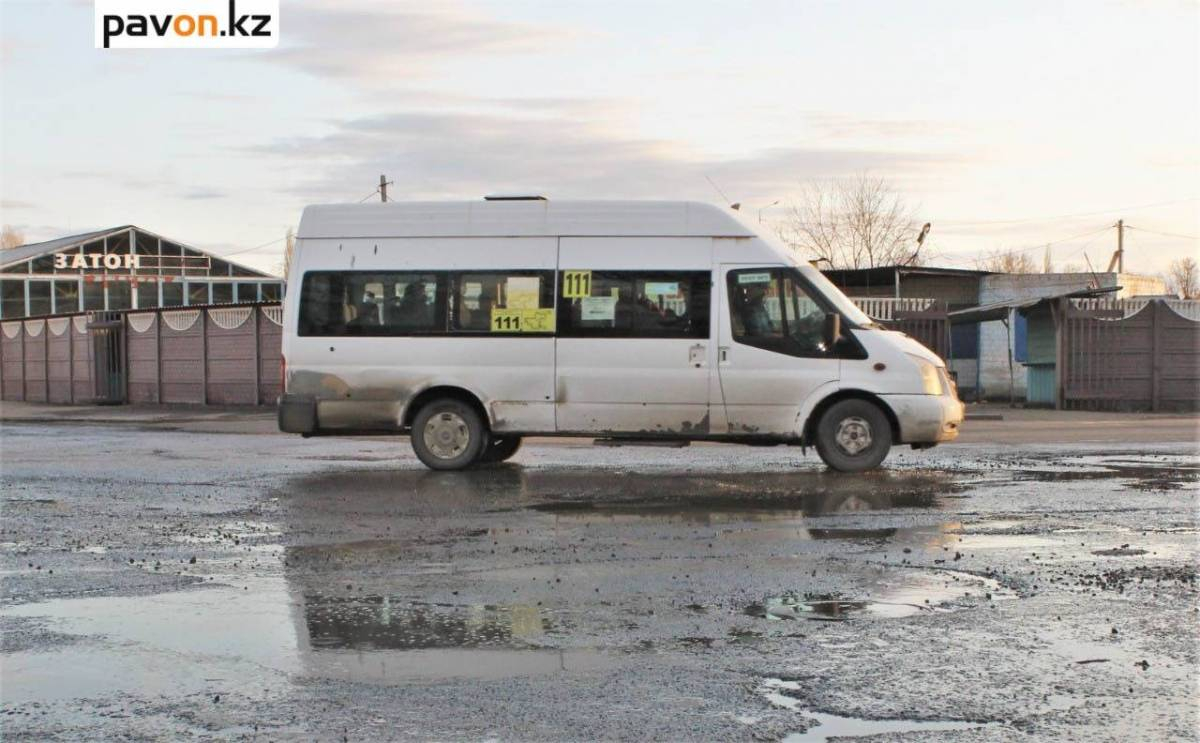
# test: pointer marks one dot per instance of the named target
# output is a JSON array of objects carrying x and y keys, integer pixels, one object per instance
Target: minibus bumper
[
  {"x": 297, "y": 414},
  {"x": 927, "y": 419}
]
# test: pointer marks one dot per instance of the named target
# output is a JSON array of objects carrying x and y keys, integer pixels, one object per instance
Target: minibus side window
[
  {"x": 634, "y": 304},
  {"x": 502, "y": 302},
  {"x": 366, "y": 303},
  {"x": 772, "y": 310}
]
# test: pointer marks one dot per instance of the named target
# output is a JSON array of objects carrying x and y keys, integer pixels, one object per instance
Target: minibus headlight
[{"x": 931, "y": 381}]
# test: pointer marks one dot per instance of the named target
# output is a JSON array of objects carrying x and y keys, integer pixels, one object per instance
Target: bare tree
[
  {"x": 1007, "y": 261},
  {"x": 289, "y": 249},
  {"x": 857, "y": 222},
  {"x": 11, "y": 237},
  {"x": 1183, "y": 278}
]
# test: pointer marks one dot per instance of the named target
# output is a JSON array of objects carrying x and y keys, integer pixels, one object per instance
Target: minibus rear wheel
[
  {"x": 448, "y": 434},
  {"x": 853, "y": 436},
  {"x": 501, "y": 449}
]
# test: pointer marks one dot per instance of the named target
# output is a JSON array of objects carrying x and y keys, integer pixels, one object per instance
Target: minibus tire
[
  {"x": 851, "y": 419},
  {"x": 500, "y": 449},
  {"x": 461, "y": 421}
]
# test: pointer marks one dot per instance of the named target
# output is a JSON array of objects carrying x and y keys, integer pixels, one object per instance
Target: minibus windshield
[{"x": 843, "y": 304}]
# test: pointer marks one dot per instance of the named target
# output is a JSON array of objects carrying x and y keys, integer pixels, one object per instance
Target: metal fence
[
  {"x": 222, "y": 355},
  {"x": 1129, "y": 355},
  {"x": 926, "y": 320},
  {"x": 229, "y": 354}
]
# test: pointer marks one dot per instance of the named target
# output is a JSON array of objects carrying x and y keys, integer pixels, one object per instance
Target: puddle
[
  {"x": 232, "y": 533},
  {"x": 902, "y": 595},
  {"x": 381, "y": 622},
  {"x": 124, "y": 670},
  {"x": 1149, "y": 472},
  {"x": 398, "y": 667},
  {"x": 156, "y": 645},
  {"x": 707, "y": 509},
  {"x": 782, "y": 524},
  {"x": 387, "y": 640},
  {"x": 257, "y": 635},
  {"x": 561, "y": 490},
  {"x": 1110, "y": 654},
  {"x": 1123, "y": 551},
  {"x": 826, "y": 726},
  {"x": 1023, "y": 542}
]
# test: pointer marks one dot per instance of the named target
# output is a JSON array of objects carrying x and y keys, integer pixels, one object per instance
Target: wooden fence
[
  {"x": 221, "y": 355},
  {"x": 1128, "y": 355}
]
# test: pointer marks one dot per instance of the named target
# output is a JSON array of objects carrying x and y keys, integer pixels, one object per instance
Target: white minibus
[{"x": 470, "y": 325}]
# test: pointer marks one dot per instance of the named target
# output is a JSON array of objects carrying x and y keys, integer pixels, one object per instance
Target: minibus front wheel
[
  {"x": 448, "y": 434},
  {"x": 853, "y": 436}
]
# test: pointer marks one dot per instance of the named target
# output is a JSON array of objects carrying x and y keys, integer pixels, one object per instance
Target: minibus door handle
[
  {"x": 698, "y": 355},
  {"x": 722, "y": 355}
]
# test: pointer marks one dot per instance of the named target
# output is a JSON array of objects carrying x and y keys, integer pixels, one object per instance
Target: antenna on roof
[
  {"x": 734, "y": 206},
  {"x": 1095, "y": 282}
]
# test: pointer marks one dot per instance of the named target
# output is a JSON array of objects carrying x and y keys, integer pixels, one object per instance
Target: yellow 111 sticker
[
  {"x": 577, "y": 284},
  {"x": 523, "y": 321}
]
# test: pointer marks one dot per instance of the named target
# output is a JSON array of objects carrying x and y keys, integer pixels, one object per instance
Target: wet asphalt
[{"x": 162, "y": 582}]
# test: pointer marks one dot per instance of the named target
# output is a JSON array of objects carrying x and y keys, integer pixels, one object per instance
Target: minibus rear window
[{"x": 340, "y": 303}]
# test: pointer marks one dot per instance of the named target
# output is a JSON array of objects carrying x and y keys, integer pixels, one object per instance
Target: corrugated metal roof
[
  {"x": 886, "y": 275},
  {"x": 35, "y": 250},
  {"x": 1000, "y": 310}
]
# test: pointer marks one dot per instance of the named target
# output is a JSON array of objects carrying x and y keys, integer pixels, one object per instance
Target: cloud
[
  {"x": 455, "y": 155},
  {"x": 833, "y": 127},
  {"x": 6, "y": 204},
  {"x": 384, "y": 42},
  {"x": 204, "y": 193}
]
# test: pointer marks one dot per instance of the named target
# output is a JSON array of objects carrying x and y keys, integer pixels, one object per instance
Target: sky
[{"x": 1007, "y": 126}]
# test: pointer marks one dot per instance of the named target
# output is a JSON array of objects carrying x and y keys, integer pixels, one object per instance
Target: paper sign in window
[
  {"x": 664, "y": 289},
  {"x": 522, "y": 321},
  {"x": 597, "y": 308},
  {"x": 754, "y": 278},
  {"x": 524, "y": 292}
]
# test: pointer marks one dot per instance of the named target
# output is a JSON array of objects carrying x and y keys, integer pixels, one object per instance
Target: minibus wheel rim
[
  {"x": 446, "y": 435},
  {"x": 853, "y": 435}
]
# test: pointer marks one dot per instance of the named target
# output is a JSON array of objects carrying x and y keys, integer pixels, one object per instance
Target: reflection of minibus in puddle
[
  {"x": 389, "y": 639},
  {"x": 473, "y": 325}
]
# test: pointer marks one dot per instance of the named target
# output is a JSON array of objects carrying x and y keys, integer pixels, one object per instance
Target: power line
[
  {"x": 279, "y": 239},
  {"x": 1040, "y": 246},
  {"x": 1164, "y": 234},
  {"x": 1065, "y": 216},
  {"x": 256, "y": 247}
]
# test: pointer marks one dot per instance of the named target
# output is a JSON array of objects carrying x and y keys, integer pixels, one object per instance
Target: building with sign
[{"x": 122, "y": 268}]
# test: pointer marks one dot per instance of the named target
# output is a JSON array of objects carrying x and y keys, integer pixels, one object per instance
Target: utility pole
[
  {"x": 1118, "y": 258},
  {"x": 1047, "y": 263},
  {"x": 383, "y": 184},
  {"x": 1120, "y": 246}
]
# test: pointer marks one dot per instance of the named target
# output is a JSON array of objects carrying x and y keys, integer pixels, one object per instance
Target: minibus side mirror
[{"x": 832, "y": 332}]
